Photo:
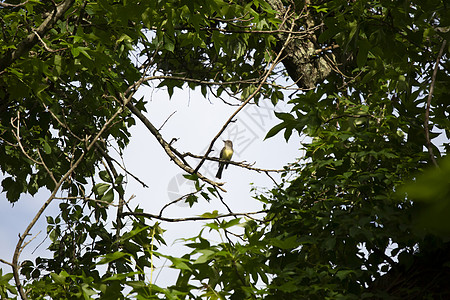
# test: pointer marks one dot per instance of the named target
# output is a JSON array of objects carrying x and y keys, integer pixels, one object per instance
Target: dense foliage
[{"x": 354, "y": 218}]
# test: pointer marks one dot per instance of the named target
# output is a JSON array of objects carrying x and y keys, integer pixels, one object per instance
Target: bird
[{"x": 225, "y": 154}]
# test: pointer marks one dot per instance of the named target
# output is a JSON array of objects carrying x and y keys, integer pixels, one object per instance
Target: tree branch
[
  {"x": 427, "y": 109},
  {"x": 27, "y": 43},
  {"x": 172, "y": 220},
  {"x": 171, "y": 152},
  {"x": 20, "y": 244},
  {"x": 193, "y": 80},
  {"x": 242, "y": 164},
  {"x": 249, "y": 98},
  {"x": 13, "y": 5},
  {"x": 45, "y": 45},
  {"x": 6, "y": 262},
  {"x": 175, "y": 201}
]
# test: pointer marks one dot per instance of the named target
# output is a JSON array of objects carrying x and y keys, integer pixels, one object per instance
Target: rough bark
[{"x": 304, "y": 66}]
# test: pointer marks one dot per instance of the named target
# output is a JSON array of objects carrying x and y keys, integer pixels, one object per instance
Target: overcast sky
[{"x": 195, "y": 121}]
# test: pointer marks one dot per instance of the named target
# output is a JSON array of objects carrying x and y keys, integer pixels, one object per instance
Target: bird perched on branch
[{"x": 225, "y": 154}]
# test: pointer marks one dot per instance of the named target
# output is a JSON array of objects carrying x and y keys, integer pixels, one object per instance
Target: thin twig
[
  {"x": 175, "y": 201},
  {"x": 6, "y": 262},
  {"x": 171, "y": 152},
  {"x": 20, "y": 244},
  {"x": 242, "y": 164},
  {"x": 152, "y": 216},
  {"x": 249, "y": 98},
  {"x": 223, "y": 202},
  {"x": 326, "y": 49},
  {"x": 164, "y": 123},
  {"x": 13, "y": 5},
  {"x": 45, "y": 45},
  {"x": 50, "y": 173},
  {"x": 273, "y": 179},
  {"x": 63, "y": 124},
  {"x": 106, "y": 155}
]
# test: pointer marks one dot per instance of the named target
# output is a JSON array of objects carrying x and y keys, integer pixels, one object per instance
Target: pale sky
[{"x": 195, "y": 122}]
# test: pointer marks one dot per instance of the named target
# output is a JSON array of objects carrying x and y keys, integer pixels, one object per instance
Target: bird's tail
[{"x": 219, "y": 172}]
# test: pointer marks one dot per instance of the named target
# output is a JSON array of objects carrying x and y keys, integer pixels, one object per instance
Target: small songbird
[{"x": 225, "y": 154}]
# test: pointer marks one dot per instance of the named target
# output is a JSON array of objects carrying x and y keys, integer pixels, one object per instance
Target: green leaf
[
  {"x": 108, "y": 196},
  {"x": 274, "y": 130},
  {"x": 61, "y": 278},
  {"x": 206, "y": 256},
  {"x": 213, "y": 214},
  {"x": 104, "y": 175},
  {"x": 132, "y": 233},
  {"x": 179, "y": 263},
  {"x": 101, "y": 188},
  {"x": 363, "y": 51},
  {"x": 121, "y": 277},
  {"x": 107, "y": 258},
  {"x": 169, "y": 44},
  {"x": 231, "y": 223},
  {"x": 285, "y": 243}
]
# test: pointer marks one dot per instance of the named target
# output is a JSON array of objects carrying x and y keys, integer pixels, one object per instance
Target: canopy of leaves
[
  {"x": 373, "y": 94},
  {"x": 372, "y": 126}
]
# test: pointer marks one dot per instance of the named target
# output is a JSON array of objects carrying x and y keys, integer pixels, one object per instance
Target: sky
[{"x": 193, "y": 121}]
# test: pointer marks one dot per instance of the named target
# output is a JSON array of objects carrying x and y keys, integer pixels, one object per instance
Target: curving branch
[
  {"x": 171, "y": 152},
  {"x": 2, "y": 4},
  {"x": 90, "y": 143},
  {"x": 16, "y": 134},
  {"x": 176, "y": 201},
  {"x": 250, "y": 97},
  {"x": 46, "y": 47},
  {"x": 200, "y": 218}
]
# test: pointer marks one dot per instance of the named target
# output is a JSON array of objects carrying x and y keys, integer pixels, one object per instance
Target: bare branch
[
  {"x": 6, "y": 262},
  {"x": 171, "y": 152},
  {"x": 273, "y": 179},
  {"x": 249, "y": 98},
  {"x": 108, "y": 157},
  {"x": 318, "y": 51},
  {"x": 164, "y": 123},
  {"x": 242, "y": 164},
  {"x": 63, "y": 124},
  {"x": 13, "y": 5},
  {"x": 16, "y": 134},
  {"x": 224, "y": 203},
  {"x": 20, "y": 244},
  {"x": 175, "y": 201},
  {"x": 151, "y": 216},
  {"x": 50, "y": 173},
  {"x": 45, "y": 45}
]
